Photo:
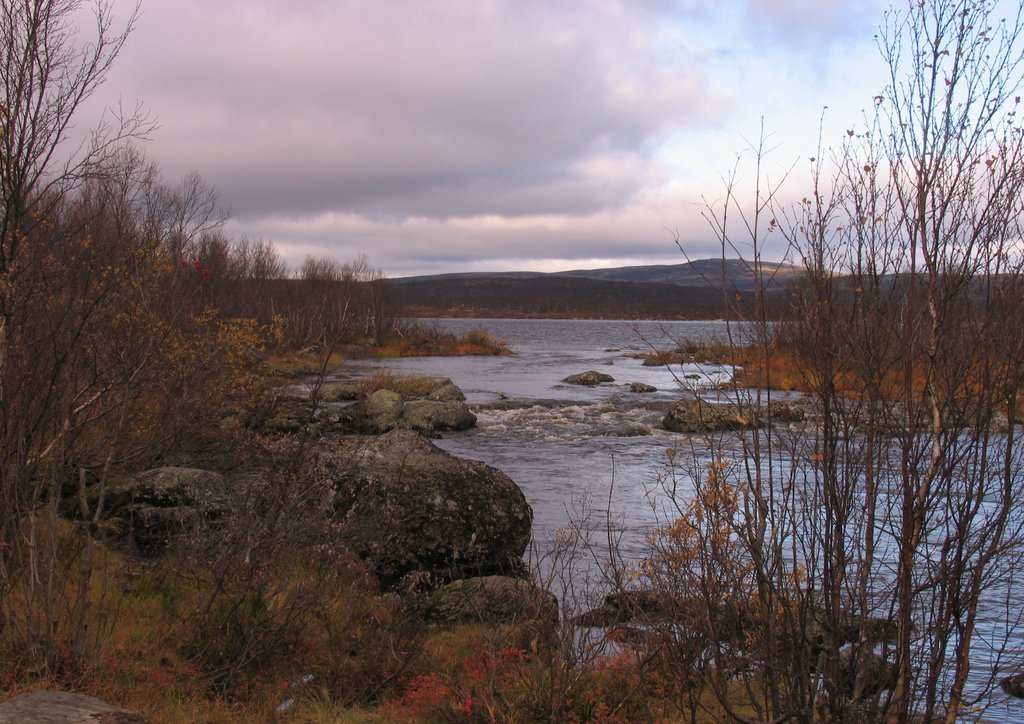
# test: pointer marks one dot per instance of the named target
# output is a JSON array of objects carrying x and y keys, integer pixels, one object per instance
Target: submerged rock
[
  {"x": 408, "y": 506},
  {"x": 588, "y": 379}
]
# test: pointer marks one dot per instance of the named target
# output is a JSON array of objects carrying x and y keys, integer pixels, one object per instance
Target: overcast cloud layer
[{"x": 457, "y": 135}]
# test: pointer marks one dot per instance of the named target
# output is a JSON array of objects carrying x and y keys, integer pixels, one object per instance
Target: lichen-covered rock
[
  {"x": 641, "y": 387},
  {"x": 588, "y": 379},
  {"x": 430, "y": 416},
  {"x": 492, "y": 600},
  {"x": 697, "y": 416},
  {"x": 156, "y": 506},
  {"x": 61, "y": 707},
  {"x": 408, "y": 506},
  {"x": 383, "y": 409}
]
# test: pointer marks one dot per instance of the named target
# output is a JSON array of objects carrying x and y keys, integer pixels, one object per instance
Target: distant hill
[
  {"x": 737, "y": 273},
  {"x": 676, "y": 291}
]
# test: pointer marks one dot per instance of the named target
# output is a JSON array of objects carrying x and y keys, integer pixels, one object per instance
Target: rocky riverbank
[{"x": 406, "y": 508}]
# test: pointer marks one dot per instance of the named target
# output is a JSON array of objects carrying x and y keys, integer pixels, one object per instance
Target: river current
[
  {"x": 587, "y": 458},
  {"x": 570, "y": 447}
]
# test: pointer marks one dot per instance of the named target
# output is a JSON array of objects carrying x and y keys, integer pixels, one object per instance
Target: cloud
[
  {"x": 463, "y": 131},
  {"x": 400, "y": 109}
]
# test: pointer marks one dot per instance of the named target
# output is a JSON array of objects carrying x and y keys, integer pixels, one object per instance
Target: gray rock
[
  {"x": 408, "y": 506},
  {"x": 447, "y": 391},
  {"x": 641, "y": 387},
  {"x": 492, "y": 600},
  {"x": 588, "y": 379},
  {"x": 60, "y": 707},
  {"x": 430, "y": 416}
]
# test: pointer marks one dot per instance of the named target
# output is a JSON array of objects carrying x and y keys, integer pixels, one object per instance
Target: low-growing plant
[{"x": 404, "y": 385}]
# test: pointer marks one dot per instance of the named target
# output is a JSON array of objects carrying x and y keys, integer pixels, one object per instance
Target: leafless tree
[{"x": 846, "y": 570}]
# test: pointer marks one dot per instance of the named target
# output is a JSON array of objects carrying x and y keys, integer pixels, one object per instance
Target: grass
[
  {"x": 302, "y": 363},
  {"x": 464, "y": 672},
  {"x": 708, "y": 352},
  {"x": 415, "y": 339},
  {"x": 420, "y": 340},
  {"x": 407, "y": 387}
]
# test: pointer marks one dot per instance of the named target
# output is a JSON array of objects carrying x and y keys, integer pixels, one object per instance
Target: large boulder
[
  {"x": 63, "y": 707},
  {"x": 697, "y": 416},
  {"x": 408, "y": 506},
  {"x": 588, "y": 379},
  {"x": 492, "y": 600},
  {"x": 156, "y": 506}
]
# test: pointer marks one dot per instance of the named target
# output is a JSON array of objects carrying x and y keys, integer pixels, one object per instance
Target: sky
[{"x": 439, "y": 136}]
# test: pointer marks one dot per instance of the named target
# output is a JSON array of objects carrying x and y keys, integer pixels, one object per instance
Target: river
[
  {"x": 587, "y": 457},
  {"x": 568, "y": 446}
]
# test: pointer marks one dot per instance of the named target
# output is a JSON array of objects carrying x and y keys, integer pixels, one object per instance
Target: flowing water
[
  {"x": 569, "y": 445},
  {"x": 587, "y": 457}
]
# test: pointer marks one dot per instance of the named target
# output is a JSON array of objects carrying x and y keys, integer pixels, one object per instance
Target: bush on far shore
[{"x": 416, "y": 339}]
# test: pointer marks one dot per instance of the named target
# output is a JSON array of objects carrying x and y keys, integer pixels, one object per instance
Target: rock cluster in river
[
  {"x": 441, "y": 407},
  {"x": 405, "y": 505}
]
